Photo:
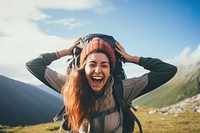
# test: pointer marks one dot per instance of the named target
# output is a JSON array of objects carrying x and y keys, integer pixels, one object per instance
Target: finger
[
  {"x": 117, "y": 45},
  {"x": 118, "y": 50},
  {"x": 120, "y": 46},
  {"x": 77, "y": 41}
]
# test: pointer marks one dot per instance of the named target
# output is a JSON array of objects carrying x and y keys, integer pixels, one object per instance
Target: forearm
[
  {"x": 64, "y": 52},
  {"x": 133, "y": 59},
  {"x": 160, "y": 73},
  {"x": 43, "y": 60},
  {"x": 38, "y": 66}
]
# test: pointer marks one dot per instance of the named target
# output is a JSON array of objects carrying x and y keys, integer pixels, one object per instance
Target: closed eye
[
  {"x": 92, "y": 65},
  {"x": 105, "y": 64}
]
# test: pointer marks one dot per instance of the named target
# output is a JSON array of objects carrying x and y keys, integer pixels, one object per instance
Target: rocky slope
[{"x": 189, "y": 105}]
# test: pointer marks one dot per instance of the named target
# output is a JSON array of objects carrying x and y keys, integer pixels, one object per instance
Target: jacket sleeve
[
  {"x": 38, "y": 67},
  {"x": 160, "y": 73}
]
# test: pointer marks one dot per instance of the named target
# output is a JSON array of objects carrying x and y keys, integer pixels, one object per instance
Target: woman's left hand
[
  {"x": 122, "y": 51},
  {"x": 126, "y": 56}
]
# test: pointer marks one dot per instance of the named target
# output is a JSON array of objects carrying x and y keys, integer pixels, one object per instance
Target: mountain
[
  {"x": 49, "y": 90},
  {"x": 185, "y": 84},
  {"x": 23, "y": 104}
]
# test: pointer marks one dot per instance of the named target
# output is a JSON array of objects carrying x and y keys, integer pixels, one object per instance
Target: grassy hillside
[
  {"x": 151, "y": 123},
  {"x": 186, "y": 83}
]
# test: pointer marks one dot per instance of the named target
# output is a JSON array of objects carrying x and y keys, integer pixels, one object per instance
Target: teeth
[{"x": 98, "y": 78}]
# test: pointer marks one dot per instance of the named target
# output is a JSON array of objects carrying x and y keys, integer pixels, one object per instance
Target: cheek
[
  {"x": 87, "y": 72},
  {"x": 107, "y": 72}
]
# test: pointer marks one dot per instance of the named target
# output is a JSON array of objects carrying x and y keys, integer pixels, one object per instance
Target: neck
[
  {"x": 97, "y": 94},
  {"x": 101, "y": 92}
]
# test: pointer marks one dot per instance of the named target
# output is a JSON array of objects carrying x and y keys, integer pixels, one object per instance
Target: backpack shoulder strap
[
  {"x": 119, "y": 100},
  {"x": 103, "y": 113},
  {"x": 118, "y": 91},
  {"x": 59, "y": 114}
]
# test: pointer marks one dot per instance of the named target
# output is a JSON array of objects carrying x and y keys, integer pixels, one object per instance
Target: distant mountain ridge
[
  {"x": 185, "y": 84},
  {"x": 49, "y": 90},
  {"x": 24, "y": 104}
]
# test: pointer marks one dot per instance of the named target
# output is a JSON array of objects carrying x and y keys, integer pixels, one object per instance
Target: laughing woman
[{"x": 89, "y": 88}]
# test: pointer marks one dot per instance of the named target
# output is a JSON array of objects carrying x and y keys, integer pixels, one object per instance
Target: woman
[{"x": 89, "y": 88}]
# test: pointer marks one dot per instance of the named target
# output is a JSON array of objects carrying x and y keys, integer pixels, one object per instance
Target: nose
[{"x": 97, "y": 69}]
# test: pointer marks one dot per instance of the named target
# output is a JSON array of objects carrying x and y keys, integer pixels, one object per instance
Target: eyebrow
[{"x": 104, "y": 62}]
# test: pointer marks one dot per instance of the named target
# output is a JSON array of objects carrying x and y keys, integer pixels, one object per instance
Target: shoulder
[
  {"x": 54, "y": 78},
  {"x": 135, "y": 81}
]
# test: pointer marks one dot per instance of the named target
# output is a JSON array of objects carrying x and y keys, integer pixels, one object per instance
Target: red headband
[{"x": 98, "y": 44}]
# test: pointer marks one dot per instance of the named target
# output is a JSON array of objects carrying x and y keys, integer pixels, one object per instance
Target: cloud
[
  {"x": 20, "y": 37},
  {"x": 70, "y": 23},
  {"x": 70, "y": 4},
  {"x": 105, "y": 7},
  {"x": 187, "y": 57}
]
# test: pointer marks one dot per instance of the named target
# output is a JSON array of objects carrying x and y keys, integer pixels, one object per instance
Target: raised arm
[
  {"x": 39, "y": 68},
  {"x": 160, "y": 73}
]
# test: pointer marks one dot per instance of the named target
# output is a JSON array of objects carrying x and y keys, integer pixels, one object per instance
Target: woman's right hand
[{"x": 70, "y": 50}]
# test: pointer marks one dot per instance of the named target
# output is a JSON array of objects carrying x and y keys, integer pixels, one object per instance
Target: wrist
[
  {"x": 134, "y": 59},
  {"x": 62, "y": 53},
  {"x": 57, "y": 54}
]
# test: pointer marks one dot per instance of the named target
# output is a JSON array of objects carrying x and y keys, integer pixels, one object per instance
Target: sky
[{"x": 165, "y": 29}]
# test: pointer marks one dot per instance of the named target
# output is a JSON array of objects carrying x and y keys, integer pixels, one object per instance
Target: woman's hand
[
  {"x": 68, "y": 51},
  {"x": 126, "y": 56}
]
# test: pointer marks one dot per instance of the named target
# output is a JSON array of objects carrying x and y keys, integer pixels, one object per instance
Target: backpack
[
  {"x": 129, "y": 118},
  {"x": 74, "y": 61}
]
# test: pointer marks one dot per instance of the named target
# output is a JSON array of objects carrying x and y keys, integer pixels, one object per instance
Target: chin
[{"x": 96, "y": 89}]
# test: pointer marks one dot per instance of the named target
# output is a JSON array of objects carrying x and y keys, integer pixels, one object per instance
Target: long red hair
[{"x": 77, "y": 99}]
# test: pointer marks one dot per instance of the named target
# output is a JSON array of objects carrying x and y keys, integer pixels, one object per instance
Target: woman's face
[{"x": 97, "y": 70}]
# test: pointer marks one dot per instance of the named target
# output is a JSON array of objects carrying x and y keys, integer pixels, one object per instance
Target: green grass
[
  {"x": 151, "y": 123},
  {"x": 181, "y": 123},
  {"x": 41, "y": 128}
]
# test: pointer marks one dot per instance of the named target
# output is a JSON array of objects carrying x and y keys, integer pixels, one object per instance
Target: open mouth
[{"x": 97, "y": 80}]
